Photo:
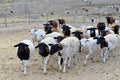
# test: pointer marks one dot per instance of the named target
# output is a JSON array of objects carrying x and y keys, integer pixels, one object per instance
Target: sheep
[
  {"x": 61, "y": 22},
  {"x": 54, "y": 25},
  {"x": 116, "y": 29},
  {"x": 90, "y": 31},
  {"x": 70, "y": 47},
  {"x": 89, "y": 43},
  {"x": 103, "y": 30},
  {"x": 107, "y": 43},
  {"x": 37, "y": 35},
  {"x": 45, "y": 50},
  {"x": 54, "y": 34},
  {"x": 110, "y": 20},
  {"x": 24, "y": 51},
  {"x": 68, "y": 30},
  {"x": 47, "y": 28}
]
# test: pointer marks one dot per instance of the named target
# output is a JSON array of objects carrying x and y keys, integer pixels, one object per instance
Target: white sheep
[
  {"x": 92, "y": 46},
  {"x": 45, "y": 50},
  {"x": 24, "y": 51},
  {"x": 54, "y": 34},
  {"x": 70, "y": 47},
  {"x": 37, "y": 35}
]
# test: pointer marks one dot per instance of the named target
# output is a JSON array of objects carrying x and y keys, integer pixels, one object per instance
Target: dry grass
[{"x": 6, "y": 3}]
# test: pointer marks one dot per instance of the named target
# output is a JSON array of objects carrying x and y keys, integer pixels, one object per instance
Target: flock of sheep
[{"x": 60, "y": 38}]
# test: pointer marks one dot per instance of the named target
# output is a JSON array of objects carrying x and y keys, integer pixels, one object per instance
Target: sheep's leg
[
  {"x": 65, "y": 62},
  {"x": 45, "y": 63},
  {"x": 59, "y": 62},
  {"x": 25, "y": 66},
  {"x": 105, "y": 55},
  {"x": 87, "y": 56},
  {"x": 42, "y": 63},
  {"x": 101, "y": 53},
  {"x": 69, "y": 60}
]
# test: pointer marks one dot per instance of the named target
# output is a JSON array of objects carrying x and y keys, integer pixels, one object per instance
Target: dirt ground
[{"x": 11, "y": 67}]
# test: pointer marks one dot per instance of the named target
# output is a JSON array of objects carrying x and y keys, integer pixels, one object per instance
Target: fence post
[
  {"x": 74, "y": 19},
  {"x": 29, "y": 17},
  {"x": 5, "y": 20},
  {"x": 47, "y": 17}
]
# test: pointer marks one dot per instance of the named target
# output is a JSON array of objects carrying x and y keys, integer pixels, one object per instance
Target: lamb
[
  {"x": 68, "y": 30},
  {"x": 90, "y": 31},
  {"x": 24, "y": 51},
  {"x": 70, "y": 47},
  {"x": 37, "y": 35},
  {"x": 61, "y": 22},
  {"x": 103, "y": 30},
  {"x": 45, "y": 50},
  {"x": 107, "y": 43},
  {"x": 89, "y": 43}
]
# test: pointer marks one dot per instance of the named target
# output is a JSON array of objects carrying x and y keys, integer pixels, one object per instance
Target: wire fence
[{"x": 77, "y": 18}]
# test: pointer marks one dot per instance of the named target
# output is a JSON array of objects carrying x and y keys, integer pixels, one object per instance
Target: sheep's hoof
[
  {"x": 68, "y": 67},
  {"x": 24, "y": 74},
  {"x": 41, "y": 69},
  {"x": 45, "y": 73},
  {"x": 84, "y": 64}
]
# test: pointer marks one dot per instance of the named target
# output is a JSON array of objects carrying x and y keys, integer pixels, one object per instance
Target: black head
[
  {"x": 55, "y": 48},
  {"x": 48, "y": 28},
  {"x": 116, "y": 29},
  {"x": 61, "y": 21},
  {"x": 92, "y": 31},
  {"x": 66, "y": 30},
  {"x": 43, "y": 49},
  {"x": 101, "y": 26},
  {"x": 23, "y": 51},
  {"x": 77, "y": 34},
  {"x": 21, "y": 47},
  {"x": 59, "y": 38},
  {"x": 102, "y": 42},
  {"x": 66, "y": 27}
]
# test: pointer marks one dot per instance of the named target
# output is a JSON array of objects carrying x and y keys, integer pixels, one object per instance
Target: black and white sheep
[
  {"x": 90, "y": 31},
  {"x": 107, "y": 43},
  {"x": 70, "y": 47},
  {"x": 46, "y": 49},
  {"x": 24, "y": 51}
]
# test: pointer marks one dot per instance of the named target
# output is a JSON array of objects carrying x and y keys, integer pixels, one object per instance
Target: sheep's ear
[
  {"x": 37, "y": 46},
  {"x": 50, "y": 44},
  {"x": 35, "y": 30},
  {"x": 55, "y": 37},
  {"x": 73, "y": 32},
  {"x": 81, "y": 32},
  {"x": 16, "y": 45},
  {"x": 95, "y": 37},
  {"x": 26, "y": 45}
]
